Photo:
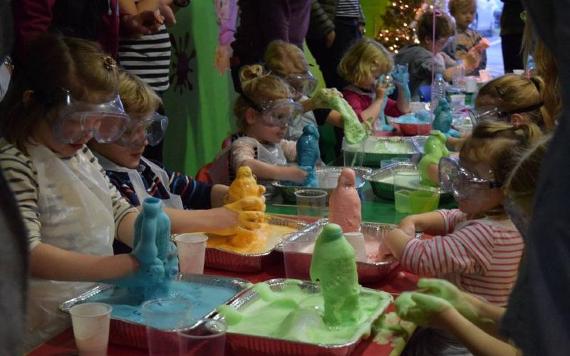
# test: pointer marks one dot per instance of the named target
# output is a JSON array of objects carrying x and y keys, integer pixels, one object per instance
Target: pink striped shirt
[{"x": 479, "y": 256}]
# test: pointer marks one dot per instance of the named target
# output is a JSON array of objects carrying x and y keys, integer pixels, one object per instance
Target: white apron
[
  {"x": 76, "y": 214},
  {"x": 174, "y": 202}
]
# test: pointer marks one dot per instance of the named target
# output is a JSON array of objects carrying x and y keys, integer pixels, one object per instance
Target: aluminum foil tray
[
  {"x": 236, "y": 262},
  {"x": 242, "y": 344},
  {"x": 376, "y": 149},
  {"x": 327, "y": 178},
  {"x": 385, "y": 190},
  {"x": 368, "y": 272},
  {"x": 132, "y": 334}
]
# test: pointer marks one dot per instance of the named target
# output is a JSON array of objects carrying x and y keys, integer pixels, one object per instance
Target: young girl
[
  {"x": 514, "y": 98},
  {"x": 264, "y": 110},
  {"x": 288, "y": 62},
  {"x": 362, "y": 65},
  {"x": 474, "y": 322},
  {"x": 63, "y": 95},
  {"x": 421, "y": 60},
  {"x": 476, "y": 246},
  {"x": 464, "y": 11},
  {"x": 136, "y": 177}
]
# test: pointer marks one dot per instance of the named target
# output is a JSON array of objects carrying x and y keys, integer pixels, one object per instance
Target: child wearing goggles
[
  {"x": 513, "y": 98},
  {"x": 63, "y": 95},
  {"x": 480, "y": 325},
  {"x": 137, "y": 177},
  {"x": 476, "y": 246},
  {"x": 365, "y": 65},
  {"x": 264, "y": 111}
]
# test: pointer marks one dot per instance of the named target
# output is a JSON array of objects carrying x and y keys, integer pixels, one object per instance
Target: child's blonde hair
[
  {"x": 259, "y": 87},
  {"x": 279, "y": 52},
  {"x": 456, "y": 6},
  {"x": 362, "y": 58},
  {"x": 495, "y": 143},
  {"x": 443, "y": 25},
  {"x": 137, "y": 97},
  {"x": 53, "y": 63},
  {"x": 512, "y": 92}
]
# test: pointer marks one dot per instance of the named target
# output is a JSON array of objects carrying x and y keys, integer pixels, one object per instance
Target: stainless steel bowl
[{"x": 327, "y": 178}]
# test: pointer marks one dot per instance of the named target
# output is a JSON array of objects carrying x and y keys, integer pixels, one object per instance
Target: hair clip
[{"x": 109, "y": 63}]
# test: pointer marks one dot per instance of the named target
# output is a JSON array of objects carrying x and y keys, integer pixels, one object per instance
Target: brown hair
[
  {"x": 455, "y": 6},
  {"x": 281, "y": 57},
  {"x": 443, "y": 25},
  {"x": 512, "y": 92},
  {"x": 137, "y": 97},
  {"x": 259, "y": 87},
  {"x": 53, "y": 63},
  {"x": 362, "y": 58},
  {"x": 496, "y": 142}
]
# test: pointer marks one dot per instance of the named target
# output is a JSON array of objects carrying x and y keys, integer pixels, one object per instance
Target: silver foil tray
[
  {"x": 327, "y": 178},
  {"x": 237, "y": 262},
  {"x": 368, "y": 272},
  {"x": 242, "y": 344},
  {"x": 129, "y": 333}
]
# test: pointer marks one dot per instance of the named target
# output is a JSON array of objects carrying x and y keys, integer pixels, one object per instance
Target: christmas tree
[{"x": 398, "y": 24}]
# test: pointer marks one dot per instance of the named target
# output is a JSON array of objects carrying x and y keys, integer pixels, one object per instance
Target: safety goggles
[
  {"x": 76, "y": 120},
  {"x": 460, "y": 181},
  {"x": 302, "y": 83},
  {"x": 277, "y": 112},
  {"x": 139, "y": 132}
]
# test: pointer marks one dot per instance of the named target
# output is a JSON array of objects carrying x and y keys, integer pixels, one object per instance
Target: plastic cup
[
  {"x": 470, "y": 85},
  {"x": 208, "y": 338},
  {"x": 297, "y": 257},
  {"x": 457, "y": 100},
  {"x": 164, "y": 317},
  {"x": 90, "y": 323},
  {"x": 311, "y": 202},
  {"x": 191, "y": 252},
  {"x": 356, "y": 240},
  {"x": 404, "y": 183},
  {"x": 423, "y": 200}
]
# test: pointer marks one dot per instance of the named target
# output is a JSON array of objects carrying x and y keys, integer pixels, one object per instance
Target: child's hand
[
  {"x": 380, "y": 90},
  {"x": 472, "y": 59},
  {"x": 420, "y": 308},
  {"x": 295, "y": 174},
  {"x": 323, "y": 97},
  {"x": 247, "y": 213},
  {"x": 408, "y": 226},
  {"x": 443, "y": 289}
]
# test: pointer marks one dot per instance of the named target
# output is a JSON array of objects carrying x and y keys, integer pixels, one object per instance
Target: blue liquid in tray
[{"x": 204, "y": 298}]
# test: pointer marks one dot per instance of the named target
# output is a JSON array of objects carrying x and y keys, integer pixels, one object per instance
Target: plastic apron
[
  {"x": 174, "y": 201},
  {"x": 76, "y": 214}
]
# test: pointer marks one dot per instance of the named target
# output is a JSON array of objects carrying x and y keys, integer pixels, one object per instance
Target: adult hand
[
  {"x": 329, "y": 39},
  {"x": 144, "y": 23},
  {"x": 420, "y": 308},
  {"x": 446, "y": 290}
]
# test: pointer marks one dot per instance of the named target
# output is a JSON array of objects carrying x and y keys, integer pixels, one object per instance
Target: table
[{"x": 373, "y": 210}]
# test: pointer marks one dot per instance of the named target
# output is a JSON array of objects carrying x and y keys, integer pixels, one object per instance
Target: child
[
  {"x": 476, "y": 246},
  {"x": 136, "y": 177},
  {"x": 441, "y": 303},
  {"x": 362, "y": 66},
  {"x": 288, "y": 62},
  {"x": 420, "y": 57},
  {"x": 264, "y": 110},
  {"x": 64, "y": 94},
  {"x": 514, "y": 98},
  {"x": 465, "y": 38}
]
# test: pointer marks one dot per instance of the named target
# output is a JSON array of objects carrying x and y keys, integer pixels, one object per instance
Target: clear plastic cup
[
  {"x": 356, "y": 240},
  {"x": 311, "y": 202},
  {"x": 164, "y": 317},
  {"x": 423, "y": 200},
  {"x": 207, "y": 338},
  {"x": 297, "y": 257},
  {"x": 404, "y": 183},
  {"x": 191, "y": 252},
  {"x": 90, "y": 323}
]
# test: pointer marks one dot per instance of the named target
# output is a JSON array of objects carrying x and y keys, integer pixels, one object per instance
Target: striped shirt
[
  {"x": 480, "y": 256},
  {"x": 21, "y": 176},
  {"x": 148, "y": 57},
  {"x": 348, "y": 8}
]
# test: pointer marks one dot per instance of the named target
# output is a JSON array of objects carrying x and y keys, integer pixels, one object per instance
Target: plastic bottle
[
  {"x": 459, "y": 75},
  {"x": 333, "y": 264},
  {"x": 437, "y": 90},
  {"x": 344, "y": 203}
]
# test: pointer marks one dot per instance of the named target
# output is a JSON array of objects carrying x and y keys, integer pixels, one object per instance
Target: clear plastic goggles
[
  {"x": 276, "y": 112},
  {"x": 303, "y": 83},
  {"x": 460, "y": 181},
  {"x": 106, "y": 121},
  {"x": 138, "y": 132}
]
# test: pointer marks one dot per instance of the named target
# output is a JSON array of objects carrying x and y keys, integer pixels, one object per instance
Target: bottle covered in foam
[
  {"x": 333, "y": 265},
  {"x": 344, "y": 203}
]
